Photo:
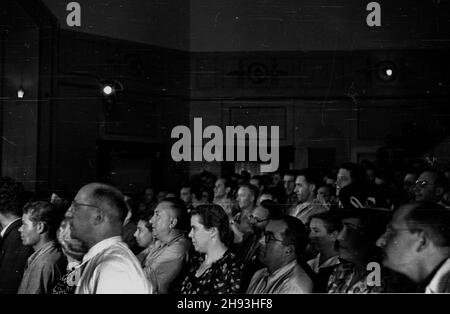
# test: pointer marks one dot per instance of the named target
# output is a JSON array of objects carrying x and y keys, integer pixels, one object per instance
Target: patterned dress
[
  {"x": 342, "y": 277},
  {"x": 223, "y": 277}
]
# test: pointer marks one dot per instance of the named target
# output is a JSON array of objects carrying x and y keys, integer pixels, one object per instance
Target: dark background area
[{"x": 312, "y": 67}]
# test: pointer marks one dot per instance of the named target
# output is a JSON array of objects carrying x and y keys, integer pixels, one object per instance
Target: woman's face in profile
[{"x": 201, "y": 237}]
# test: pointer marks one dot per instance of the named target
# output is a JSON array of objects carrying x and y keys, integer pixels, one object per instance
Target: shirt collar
[
  {"x": 280, "y": 271},
  {"x": 7, "y": 226},
  {"x": 174, "y": 239},
  {"x": 101, "y": 246},
  {"x": 44, "y": 249},
  {"x": 333, "y": 260},
  {"x": 442, "y": 269}
]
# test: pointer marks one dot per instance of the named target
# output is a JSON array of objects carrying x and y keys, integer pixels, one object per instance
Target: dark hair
[
  {"x": 434, "y": 219},
  {"x": 295, "y": 234},
  {"x": 290, "y": 173},
  {"x": 180, "y": 210},
  {"x": 332, "y": 222},
  {"x": 46, "y": 212},
  {"x": 275, "y": 210},
  {"x": 113, "y": 198},
  {"x": 373, "y": 220},
  {"x": 207, "y": 190},
  {"x": 355, "y": 171},
  {"x": 186, "y": 185},
  {"x": 11, "y": 196},
  {"x": 439, "y": 178},
  {"x": 310, "y": 176},
  {"x": 229, "y": 184},
  {"x": 212, "y": 215},
  {"x": 145, "y": 215},
  {"x": 331, "y": 188}
]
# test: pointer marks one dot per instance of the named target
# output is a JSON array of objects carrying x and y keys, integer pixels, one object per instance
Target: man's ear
[
  {"x": 99, "y": 216},
  {"x": 334, "y": 234},
  {"x": 173, "y": 223},
  {"x": 214, "y": 232},
  {"x": 227, "y": 190},
  {"x": 42, "y": 227},
  {"x": 423, "y": 241},
  {"x": 290, "y": 249},
  {"x": 312, "y": 187},
  {"x": 439, "y": 191}
]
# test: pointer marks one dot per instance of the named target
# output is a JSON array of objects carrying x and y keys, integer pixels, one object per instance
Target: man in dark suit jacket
[{"x": 13, "y": 254}]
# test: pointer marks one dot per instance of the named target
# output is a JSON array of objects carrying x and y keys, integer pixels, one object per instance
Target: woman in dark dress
[{"x": 216, "y": 269}]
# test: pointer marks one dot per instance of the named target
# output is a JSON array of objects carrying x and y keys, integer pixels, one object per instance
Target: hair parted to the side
[
  {"x": 45, "y": 212},
  {"x": 331, "y": 221},
  {"x": 432, "y": 218},
  {"x": 213, "y": 216},
  {"x": 295, "y": 234}
]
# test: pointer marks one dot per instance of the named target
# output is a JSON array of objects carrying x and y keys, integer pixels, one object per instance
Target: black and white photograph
[{"x": 245, "y": 148}]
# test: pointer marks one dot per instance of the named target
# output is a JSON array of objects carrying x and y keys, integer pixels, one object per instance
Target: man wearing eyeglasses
[
  {"x": 109, "y": 267},
  {"x": 248, "y": 251},
  {"x": 284, "y": 239},
  {"x": 430, "y": 186},
  {"x": 417, "y": 244}
]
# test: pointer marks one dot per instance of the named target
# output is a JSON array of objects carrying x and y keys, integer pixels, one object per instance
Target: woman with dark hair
[{"x": 216, "y": 269}]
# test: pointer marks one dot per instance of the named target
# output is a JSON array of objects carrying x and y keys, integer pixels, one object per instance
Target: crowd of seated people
[{"x": 357, "y": 228}]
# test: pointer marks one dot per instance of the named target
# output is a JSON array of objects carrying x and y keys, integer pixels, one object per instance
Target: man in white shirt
[
  {"x": 417, "y": 244},
  {"x": 109, "y": 267}
]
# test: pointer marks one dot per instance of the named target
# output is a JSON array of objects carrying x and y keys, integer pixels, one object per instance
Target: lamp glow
[
  {"x": 20, "y": 93},
  {"x": 108, "y": 90}
]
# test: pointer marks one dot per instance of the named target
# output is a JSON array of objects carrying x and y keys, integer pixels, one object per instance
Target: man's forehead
[
  {"x": 316, "y": 222},
  {"x": 429, "y": 176},
  {"x": 288, "y": 177},
  {"x": 276, "y": 226},
  {"x": 244, "y": 190},
  {"x": 26, "y": 216},
  {"x": 85, "y": 192},
  {"x": 352, "y": 221},
  {"x": 260, "y": 211},
  {"x": 343, "y": 172},
  {"x": 410, "y": 177},
  {"x": 400, "y": 214},
  {"x": 323, "y": 189},
  {"x": 163, "y": 207}
]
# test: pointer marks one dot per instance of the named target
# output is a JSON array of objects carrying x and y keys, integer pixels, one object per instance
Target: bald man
[{"x": 109, "y": 267}]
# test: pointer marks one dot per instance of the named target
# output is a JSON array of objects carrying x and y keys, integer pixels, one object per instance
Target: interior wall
[
  {"x": 88, "y": 127},
  {"x": 20, "y": 116},
  {"x": 333, "y": 102},
  {"x": 325, "y": 25},
  {"x": 163, "y": 23}
]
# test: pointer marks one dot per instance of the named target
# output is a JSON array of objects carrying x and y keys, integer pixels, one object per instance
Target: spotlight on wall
[
  {"x": 20, "y": 93},
  {"x": 108, "y": 90},
  {"x": 387, "y": 71},
  {"x": 111, "y": 87}
]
